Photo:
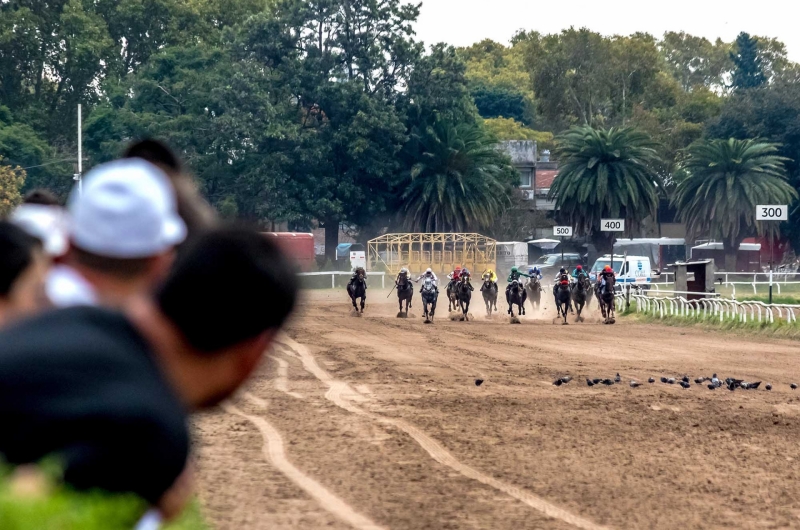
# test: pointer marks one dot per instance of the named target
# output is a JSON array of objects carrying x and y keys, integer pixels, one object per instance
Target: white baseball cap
[
  {"x": 127, "y": 210},
  {"x": 48, "y": 223}
]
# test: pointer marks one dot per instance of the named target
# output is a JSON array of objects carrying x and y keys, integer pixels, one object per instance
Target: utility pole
[{"x": 79, "y": 175}]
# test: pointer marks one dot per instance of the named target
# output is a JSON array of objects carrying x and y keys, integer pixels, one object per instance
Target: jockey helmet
[
  {"x": 514, "y": 269},
  {"x": 531, "y": 271},
  {"x": 403, "y": 271},
  {"x": 562, "y": 271},
  {"x": 536, "y": 270},
  {"x": 607, "y": 268},
  {"x": 429, "y": 271},
  {"x": 579, "y": 267}
]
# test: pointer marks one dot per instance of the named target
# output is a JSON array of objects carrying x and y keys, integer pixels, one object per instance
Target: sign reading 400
[{"x": 612, "y": 225}]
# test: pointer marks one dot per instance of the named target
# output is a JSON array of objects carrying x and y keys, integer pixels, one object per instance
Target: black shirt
[{"x": 82, "y": 384}]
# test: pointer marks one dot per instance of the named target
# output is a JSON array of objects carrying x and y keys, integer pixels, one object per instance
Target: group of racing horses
[{"x": 571, "y": 295}]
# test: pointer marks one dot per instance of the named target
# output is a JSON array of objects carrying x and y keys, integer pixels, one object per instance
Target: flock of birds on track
[{"x": 713, "y": 382}]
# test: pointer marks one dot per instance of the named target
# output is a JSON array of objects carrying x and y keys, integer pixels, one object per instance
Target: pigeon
[
  {"x": 684, "y": 384},
  {"x": 597, "y": 381},
  {"x": 663, "y": 379},
  {"x": 634, "y": 384},
  {"x": 478, "y": 382},
  {"x": 566, "y": 379},
  {"x": 607, "y": 382},
  {"x": 671, "y": 381},
  {"x": 750, "y": 386},
  {"x": 558, "y": 382},
  {"x": 716, "y": 382},
  {"x": 768, "y": 387},
  {"x": 589, "y": 382},
  {"x": 793, "y": 386},
  {"x": 685, "y": 378},
  {"x": 711, "y": 386},
  {"x": 617, "y": 378},
  {"x": 651, "y": 380},
  {"x": 700, "y": 380},
  {"x": 731, "y": 387}
]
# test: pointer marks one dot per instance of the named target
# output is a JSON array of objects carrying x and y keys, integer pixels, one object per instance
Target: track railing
[
  {"x": 334, "y": 274},
  {"x": 724, "y": 309}
]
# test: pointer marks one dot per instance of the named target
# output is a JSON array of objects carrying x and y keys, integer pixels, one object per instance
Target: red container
[{"x": 298, "y": 246}]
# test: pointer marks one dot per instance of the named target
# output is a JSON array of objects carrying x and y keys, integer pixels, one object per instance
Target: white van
[{"x": 627, "y": 269}]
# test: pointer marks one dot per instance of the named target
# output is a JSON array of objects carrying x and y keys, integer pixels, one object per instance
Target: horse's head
[
  {"x": 427, "y": 285},
  {"x": 515, "y": 285}
]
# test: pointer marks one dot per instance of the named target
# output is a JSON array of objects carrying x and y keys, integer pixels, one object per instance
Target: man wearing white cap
[{"x": 123, "y": 229}]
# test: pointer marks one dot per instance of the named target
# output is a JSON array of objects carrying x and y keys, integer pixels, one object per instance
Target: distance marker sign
[
  {"x": 563, "y": 231},
  {"x": 772, "y": 212},
  {"x": 612, "y": 225}
]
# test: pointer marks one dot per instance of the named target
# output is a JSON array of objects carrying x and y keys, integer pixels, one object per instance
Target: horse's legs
[
  {"x": 508, "y": 301},
  {"x": 363, "y": 301},
  {"x": 522, "y": 305}
]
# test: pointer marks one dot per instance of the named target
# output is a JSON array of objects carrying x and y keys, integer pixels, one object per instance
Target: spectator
[
  {"x": 123, "y": 231},
  {"x": 23, "y": 266},
  {"x": 108, "y": 392},
  {"x": 195, "y": 211},
  {"x": 41, "y": 216},
  {"x": 41, "y": 197}
]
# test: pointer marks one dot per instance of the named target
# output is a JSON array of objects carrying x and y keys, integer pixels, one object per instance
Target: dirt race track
[{"x": 377, "y": 422}]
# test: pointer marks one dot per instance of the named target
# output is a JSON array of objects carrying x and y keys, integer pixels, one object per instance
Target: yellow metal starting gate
[{"x": 440, "y": 252}]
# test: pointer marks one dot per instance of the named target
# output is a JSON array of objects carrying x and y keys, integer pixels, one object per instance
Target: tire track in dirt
[
  {"x": 273, "y": 451},
  {"x": 336, "y": 394}
]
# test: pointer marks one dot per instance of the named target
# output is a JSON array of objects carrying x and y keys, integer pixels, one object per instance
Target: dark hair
[
  {"x": 41, "y": 196},
  {"x": 120, "y": 267},
  {"x": 154, "y": 152},
  {"x": 228, "y": 285},
  {"x": 16, "y": 254}
]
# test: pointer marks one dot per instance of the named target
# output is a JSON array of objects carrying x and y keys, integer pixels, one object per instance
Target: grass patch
[
  {"x": 55, "y": 506},
  {"x": 779, "y": 328}
]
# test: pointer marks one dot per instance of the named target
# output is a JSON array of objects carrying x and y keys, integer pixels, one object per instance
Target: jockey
[
  {"x": 400, "y": 275},
  {"x": 355, "y": 275},
  {"x": 492, "y": 277},
  {"x": 514, "y": 275},
  {"x": 466, "y": 276},
  {"x": 608, "y": 272},
  {"x": 429, "y": 274},
  {"x": 562, "y": 279},
  {"x": 454, "y": 276},
  {"x": 535, "y": 273}
]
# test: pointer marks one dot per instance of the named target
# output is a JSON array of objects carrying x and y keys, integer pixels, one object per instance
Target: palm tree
[
  {"x": 605, "y": 173},
  {"x": 725, "y": 181},
  {"x": 460, "y": 182}
]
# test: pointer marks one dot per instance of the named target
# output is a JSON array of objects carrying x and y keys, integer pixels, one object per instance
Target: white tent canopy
[{"x": 546, "y": 244}]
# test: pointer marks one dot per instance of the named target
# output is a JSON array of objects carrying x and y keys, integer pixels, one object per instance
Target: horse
[
  {"x": 405, "y": 292},
  {"x": 429, "y": 297},
  {"x": 534, "y": 291},
  {"x": 605, "y": 296},
  {"x": 452, "y": 294},
  {"x": 464, "y": 295},
  {"x": 489, "y": 290},
  {"x": 516, "y": 295},
  {"x": 563, "y": 295},
  {"x": 358, "y": 289},
  {"x": 580, "y": 295}
]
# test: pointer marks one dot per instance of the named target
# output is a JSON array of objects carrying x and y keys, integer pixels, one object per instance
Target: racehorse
[
  {"x": 534, "y": 291},
  {"x": 405, "y": 292},
  {"x": 581, "y": 296},
  {"x": 429, "y": 296},
  {"x": 358, "y": 289},
  {"x": 605, "y": 296},
  {"x": 452, "y": 295},
  {"x": 516, "y": 296},
  {"x": 489, "y": 290},
  {"x": 563, "y": 296},
  {"x": 464, "y": 295}
]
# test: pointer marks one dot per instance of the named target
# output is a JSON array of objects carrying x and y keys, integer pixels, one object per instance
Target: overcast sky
[{"x": 464, "y": 22}]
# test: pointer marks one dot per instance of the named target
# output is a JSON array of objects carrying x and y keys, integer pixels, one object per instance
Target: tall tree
[
  {"x": 605, "y": 173},
  {"x": 12, "y": 178},
  {"x": 695, "y": 61},
  {"x": 463, "y": 182},
  {"x": 748, "y": 67},
  {"x": 725, "y": 181}
]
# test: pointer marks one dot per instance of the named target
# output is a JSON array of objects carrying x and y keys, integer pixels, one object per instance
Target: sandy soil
[{"x": 376, "y": 422}]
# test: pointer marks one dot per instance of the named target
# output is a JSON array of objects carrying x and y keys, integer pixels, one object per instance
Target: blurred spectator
[
  {"x": 41, "y": 196},
  {"x": 124, "y": 227},
  {"x": 23, "y": 266},
  {"x": 195, "y": 211},
  {"x": 108, "y": 392}
]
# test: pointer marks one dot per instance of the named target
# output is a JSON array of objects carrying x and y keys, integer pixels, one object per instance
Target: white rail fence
[
  {"x": 334, "y": 274},
  {"x": 713, "y": 307}
]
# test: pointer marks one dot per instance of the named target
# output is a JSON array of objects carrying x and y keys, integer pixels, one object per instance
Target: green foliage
[
  {"x": 510, "y": 129},
  {"x": 725, "y": 180},
  {"x": 605, "y": 173},
  {"x": 748, "y": 71},
  {"x": 462, "y": 182}
]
